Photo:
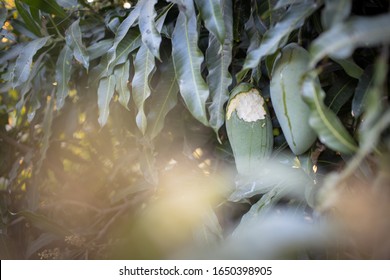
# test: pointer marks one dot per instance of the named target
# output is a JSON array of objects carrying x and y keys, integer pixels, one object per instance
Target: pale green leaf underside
[
  {"x": 74, "y": 41},
  {"x": 324, "y": 121},
  {"x": 122, "y": 73},
  {"x": 105, "y": 94},
  {"x": 63, "y": 71},
  {"x": 187, "y": 59},
  {"x": 342, "y": 39}
]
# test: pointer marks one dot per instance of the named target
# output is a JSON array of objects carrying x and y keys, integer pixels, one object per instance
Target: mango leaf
[
  {"x": 211, "y": 13},
  {"x": 3, "y": 16},
  {"x": 284, "y": 3},
  {"x": 350, "y": 67},
  {"x": 63, "y": 72},
  {"x": 219, "y": 58},
  {"x": 74, "y": 40},
  {"x": 327, "y": 125},
  {"x": 277, "y": 35},
  {"x": 122, "y": 31},
  {"x": 99, "y": 49},
  {"x": 67, "y": 3},
  {"x": 144, "y": 66},
  {"x": 163, "y": 100},
  {"x": 105, "y": 93},
  {"x": 150, "y": 35},
  {"x": 187, "y": 59},
  {"x": 27, "y": 18},
  {"x": 339, "y": 93},
  {"x": 341, "y": 40},
  {"x": 43, "y": 223},
  {"x": 11, "y": 53},
  {"x": 335, "y": 11},
  {"x": 122, "y": 73},
  {"x": 23, "y": 63},
  {"x": 363, "y": 88},
  {"x": 48, "y": 6}
]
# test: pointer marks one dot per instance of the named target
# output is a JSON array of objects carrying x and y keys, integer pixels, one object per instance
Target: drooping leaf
[
  {"x": 27, "y": 18},
  {"x": 187, "y": 59},
  {"x": 284, "y": 3},
  {"x": 98, "y": 49},
  {"x": 74, "y": 40},
  {"x": 122, "y": 31},
  {"x": 23, "y": 63},
  {"x": 341, "y": 40},
  {"x": 335, "y": 11},
  {"x": 163, "y": 99},
  {"x": 339, "y": 93},
  {"x": 67, "y": 3},
  {"x": 144, "y": 66},
  {"x": 277, "y": 35},
  {"x": 11, "y": 53},
  {"x": 350, "y": 67},
  {"x": 211, "y": 13},
  {"x": 363, "y": 88},
  {"x": 105, "y": 93},
  {"x": 122, "y": 73},
  {"x": 63, "y": 72},
  {"x": 43, "y": 223},
  {"x": 48, "y": 6},
  {"x": 218, "y": 58},
  {"x": 325, "y": 122},
  {"x": 3, "y": 16},
  {"x": 130, "y": 42},
  {"x": 150, "y": 35}
]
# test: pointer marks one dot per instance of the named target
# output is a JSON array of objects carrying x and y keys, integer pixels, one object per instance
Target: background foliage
[{"x": 112, "y": 136}]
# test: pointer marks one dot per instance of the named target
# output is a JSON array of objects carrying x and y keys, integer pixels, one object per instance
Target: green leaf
[
  {"x": 211, "y": 13},
  {"x": 335, "y": 11},
  {"x": 3, "y": 16},
  {"x": 219, "y": 58},
  {"x": 23, "y": 63},
  {"x": 74, "y": 41},
  {"x": 277, "y": 35},
  {"x": 63, "y": 72},
  {"x": 130, "y": 42},
  {"x": 150, "y": 35},
  {"x": 339, "y": 93},
  {"x": 350, "y": 67},
  {"x": 43, "y": 223},
  {"x": 163, "y": 100},
  {"x": 363, "y": 88},
  {"x": 341, "y": 40},
  {"x": 187, "y": 59},
  {"x": 144, "y": 66},
  {"x": 27, "y": 18},
  {"x": 122, "y": 73},
  {"x": 284, "y": 3},
  {"x": 105, "y": 94},
  {"x": 121, "y": 33},
  {"x": 99, "y": 49},
  {"x": 48, "y": 6},
  {"x": 329, "y": 128}
]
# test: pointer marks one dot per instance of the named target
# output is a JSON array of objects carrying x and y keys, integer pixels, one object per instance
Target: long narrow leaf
[
  {"x": 105, "y": 94},
  {"x": 63, "y": 71},
  {"x": 99, "y": 49},
  {"x": 335, "y": 11},
  {"x": 163, "y": 100},
  {"x": 329, "y": 128},
  {"x": 23, "y": 63},
  {"x": 3, "y": 16},
  {"x": 27, "y": 18},
  {"x": 277, "y": 35},
  {"x": 48, "y": 6},
  {"x": 121, "y": 73},
  {"x": 187, "y": 59},
  {"x": 218, "y": 58},
  {"x": 150, "y": 35},
  {"x": 74, "y": 40},
  {"x": 211, "y": 13},
  {"x": 122, "y": 31},
  {"x": 144, "y": 65},
  {"x": 344, "y": 38}
]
